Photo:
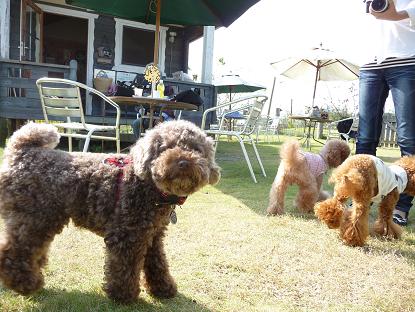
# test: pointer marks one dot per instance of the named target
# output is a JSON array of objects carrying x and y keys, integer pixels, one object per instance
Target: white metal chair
[
  {"x": 61, "y": 99},
  {"x": 334, "y": 133},
  {"x": 268, "y": 126},
  {"x": 253, "y": 107}
]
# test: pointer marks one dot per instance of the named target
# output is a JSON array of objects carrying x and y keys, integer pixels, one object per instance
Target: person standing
[{"x": 392, "y": 68}]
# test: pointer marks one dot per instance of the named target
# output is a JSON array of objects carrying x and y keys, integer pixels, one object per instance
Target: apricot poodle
[
  {"x": 126, "y": 199},
  {"x": 366, "y": 179},
  {"x": 306, "y": 170}
]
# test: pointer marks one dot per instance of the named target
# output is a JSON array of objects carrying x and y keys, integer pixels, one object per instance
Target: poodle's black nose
[{"x": 183, "y": 164}]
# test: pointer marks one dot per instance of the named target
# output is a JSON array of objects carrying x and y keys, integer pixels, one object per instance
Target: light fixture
[{"x": 172, "y": 35}]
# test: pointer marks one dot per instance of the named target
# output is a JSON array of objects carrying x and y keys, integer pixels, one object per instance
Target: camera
[{"x": 377, "y": 6}]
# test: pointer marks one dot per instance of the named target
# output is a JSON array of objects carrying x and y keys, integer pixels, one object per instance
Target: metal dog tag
[{"x": 173, "y": 217}]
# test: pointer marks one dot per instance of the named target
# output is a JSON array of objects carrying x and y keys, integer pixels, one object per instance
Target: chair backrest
[
  {"x": 355, "y": 124},
  {"x": 60, "y": 99},
  {"x": 254, "y": 114}
]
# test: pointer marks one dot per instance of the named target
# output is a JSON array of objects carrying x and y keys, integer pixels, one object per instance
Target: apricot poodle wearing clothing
[
  {"x": 366, "y": 179},
  {"x": 128, "y": 204},
  {"x": 305, "y": 170}
]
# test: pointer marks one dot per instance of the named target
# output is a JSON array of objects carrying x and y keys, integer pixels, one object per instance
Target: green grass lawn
[{"x": 226, "y": 255}]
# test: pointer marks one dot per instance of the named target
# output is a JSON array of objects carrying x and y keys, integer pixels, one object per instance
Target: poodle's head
[
  {"x": 335, "y": 152},
  {"x": 177, "y": 156}
]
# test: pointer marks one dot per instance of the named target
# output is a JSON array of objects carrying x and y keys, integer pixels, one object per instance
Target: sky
[{"x": 272, "y": 30}]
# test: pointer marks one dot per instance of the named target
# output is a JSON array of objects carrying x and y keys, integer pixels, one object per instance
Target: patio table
[
  {"x": 310, "y": 122},
  {"x": 152, "y": 104}
]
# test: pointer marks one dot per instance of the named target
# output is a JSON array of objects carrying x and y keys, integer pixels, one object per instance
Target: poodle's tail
[
  {"x": 290, "y": 153},
  {"x": 34, "y": 135},
  {"x": 330, "y": 212}
]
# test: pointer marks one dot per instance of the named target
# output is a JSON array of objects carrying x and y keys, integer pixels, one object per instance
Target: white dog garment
[{"x": 389, "y": 177}]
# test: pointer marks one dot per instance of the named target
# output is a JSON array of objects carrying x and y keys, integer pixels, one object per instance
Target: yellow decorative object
[{"x": 152, "y": 73}]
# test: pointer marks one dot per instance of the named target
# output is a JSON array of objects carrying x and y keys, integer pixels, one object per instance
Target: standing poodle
[
  {"x": 307, "y": 171},
  {"x": 366, "y": 179},
  {"x": 126, "y": 199}
]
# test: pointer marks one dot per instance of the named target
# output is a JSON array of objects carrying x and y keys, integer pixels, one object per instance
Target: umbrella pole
[
  {"x": 272, "y": 95},
  {"x": 315, "y": 81},
  {"x": 156, "y": 35}
]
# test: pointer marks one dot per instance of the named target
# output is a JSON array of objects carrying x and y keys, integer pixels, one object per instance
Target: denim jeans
[{"x": 374, "y": 87}]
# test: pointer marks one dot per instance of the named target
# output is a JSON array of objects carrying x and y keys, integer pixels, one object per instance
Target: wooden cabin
[{"x": 53, "y": 39}]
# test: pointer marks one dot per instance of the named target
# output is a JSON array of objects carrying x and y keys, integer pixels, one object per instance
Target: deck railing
[{"x": 19, "y": 97}]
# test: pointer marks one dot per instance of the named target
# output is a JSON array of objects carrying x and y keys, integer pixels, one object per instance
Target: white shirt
[
  {"x": 389, "y": 177},
  {"x": 394, "y": 38}
]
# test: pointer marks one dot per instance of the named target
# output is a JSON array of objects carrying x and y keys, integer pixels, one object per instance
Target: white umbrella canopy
[
  {"x": 317, "y": 65},
  {"x": 235, "y": 84}
]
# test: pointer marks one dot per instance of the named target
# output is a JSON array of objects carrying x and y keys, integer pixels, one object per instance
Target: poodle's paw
[
  {"x": 353, "y": 232},
  {"x": 275, "y": 209},
  {"x": 351, "y": 237},
  {"x": 387, "y": 229},
  {"x": 121, "y": 294},
  {"x": 330, "y": 212},
  {"x": 304, "y": 207},
  {"x": 163, "y": 290},
  {"x": 22, "y": 283}
]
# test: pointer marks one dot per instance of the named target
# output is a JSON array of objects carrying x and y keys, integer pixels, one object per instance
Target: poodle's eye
[{"x": 197, "y": 148}]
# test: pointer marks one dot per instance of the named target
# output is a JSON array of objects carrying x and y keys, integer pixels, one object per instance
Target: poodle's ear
[
  {"x": 143, "y": 153},
  {"x": 214, "y": 175}
]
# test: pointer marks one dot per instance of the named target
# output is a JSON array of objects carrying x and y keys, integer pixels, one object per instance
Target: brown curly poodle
[
  {"x": 126, "y": 199},
  {"x": 307, "y": 171},
  {"x": 366, "y": 179}
]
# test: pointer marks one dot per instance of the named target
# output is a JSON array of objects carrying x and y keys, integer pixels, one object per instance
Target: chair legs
[
  {"x": 69, "y": 141},
  {"x": 258, "y": 158},
  {"x": 241, "y": 142},
  {"x": 87, "y": 140}
]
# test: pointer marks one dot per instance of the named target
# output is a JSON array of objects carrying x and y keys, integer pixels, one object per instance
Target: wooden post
[
  {"x": 157, "y": 34},
  {"x": 207, "y": 61}
]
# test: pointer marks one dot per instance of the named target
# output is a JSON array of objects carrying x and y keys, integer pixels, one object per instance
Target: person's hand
[{"x": 390, "y": 14}]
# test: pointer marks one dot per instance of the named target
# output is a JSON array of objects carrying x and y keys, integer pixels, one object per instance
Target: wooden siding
[{"x": 19, "y": 97}]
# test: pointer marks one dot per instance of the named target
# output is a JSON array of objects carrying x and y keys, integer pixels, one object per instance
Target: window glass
[{"x": 137, "y": 46}]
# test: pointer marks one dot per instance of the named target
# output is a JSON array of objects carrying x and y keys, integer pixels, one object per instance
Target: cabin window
[
  {"x": 134, "y": 46},
  {"x": 137, "y": 46}
]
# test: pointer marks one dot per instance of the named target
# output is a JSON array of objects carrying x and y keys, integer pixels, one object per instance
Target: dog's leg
[
  {"x": 307, "y": 195},
  {"x": 23, "y": 253},
  {"x": 125, "y": 252},
  {"x": 354, "y": 226},
  {"x": 384, "y": 225},
  {"x": 276, "y": 197},
  {"x": 159, "y": 282}
]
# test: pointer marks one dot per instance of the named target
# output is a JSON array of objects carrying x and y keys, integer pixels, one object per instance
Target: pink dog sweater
[{"x": 316, "y": 163}]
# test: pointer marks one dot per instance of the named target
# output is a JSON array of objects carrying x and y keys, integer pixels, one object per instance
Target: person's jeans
[
  {"x": 373, "y": 90},
  {"x": 137, "y": 124}
]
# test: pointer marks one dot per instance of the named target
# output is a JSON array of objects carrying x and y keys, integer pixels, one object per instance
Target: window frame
[{"x": 119, "y": 28}]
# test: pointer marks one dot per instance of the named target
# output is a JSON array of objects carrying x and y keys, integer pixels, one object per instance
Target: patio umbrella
[
  {"x": 170, "y": 12},
  {"x": 319, "y": 65},
  {"x": 235, "y": 84}
]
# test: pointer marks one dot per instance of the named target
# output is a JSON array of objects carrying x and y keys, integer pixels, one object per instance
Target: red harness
[{"x": 121, "y": 162}]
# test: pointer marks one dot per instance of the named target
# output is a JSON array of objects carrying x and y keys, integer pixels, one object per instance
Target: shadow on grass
[
  {"x": 73, "y": 300},
  {"x": 236, "y": 180},
  {"x": 403, "y": 248}
]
